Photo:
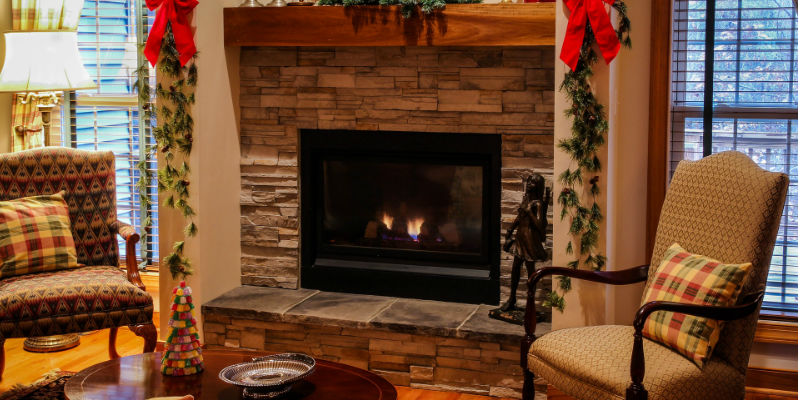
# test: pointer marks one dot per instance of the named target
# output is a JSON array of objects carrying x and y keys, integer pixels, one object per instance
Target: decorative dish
[{"x": 269, "y": 377}]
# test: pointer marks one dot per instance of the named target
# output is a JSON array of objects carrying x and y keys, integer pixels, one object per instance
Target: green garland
[
  {"x": 173, "y": 139},
  {"x": 407, "y": 7},
  {"x": 589, "y": 128}
]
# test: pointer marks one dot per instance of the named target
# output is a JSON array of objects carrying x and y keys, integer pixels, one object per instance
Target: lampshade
[{"x": 43, "y": 61}]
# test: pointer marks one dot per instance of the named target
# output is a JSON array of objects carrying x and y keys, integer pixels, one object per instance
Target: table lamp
[{"x": 38, "y": 64}]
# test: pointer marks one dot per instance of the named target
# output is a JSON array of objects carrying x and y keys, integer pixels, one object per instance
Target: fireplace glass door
[{"x": 401, "y": 214}]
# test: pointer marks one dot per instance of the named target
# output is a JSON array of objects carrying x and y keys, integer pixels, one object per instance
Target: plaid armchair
[
  {"x": 725, "y": 207},
  {"x": 96, "y": 296}
]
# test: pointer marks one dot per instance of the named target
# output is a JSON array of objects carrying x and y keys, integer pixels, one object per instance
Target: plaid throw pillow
[
  {"x": 684, "y": 277},
  {"x": 35, "y": 236}
]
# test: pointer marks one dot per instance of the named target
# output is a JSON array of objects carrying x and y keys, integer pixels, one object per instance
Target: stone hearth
[
  {"x": 418, "y": 343},
  {"x": 491, "y": 90}
]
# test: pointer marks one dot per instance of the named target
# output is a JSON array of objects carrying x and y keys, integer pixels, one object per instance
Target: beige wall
[
  {"x": 5, "y": 98},
  {"x": 586, "y": 301},
  {"x": 214, "y": 188},
  {"x": 629, "y": 76}
]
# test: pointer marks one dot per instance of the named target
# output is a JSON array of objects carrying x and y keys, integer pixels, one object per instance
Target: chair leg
[
  {"x": 112, "y": 344},
  {"x": 2, "y": 357},
  {"x": 528, "y": 391},
  {"x": 148, "y": 332},
  {"x": 636, "y": 392}
]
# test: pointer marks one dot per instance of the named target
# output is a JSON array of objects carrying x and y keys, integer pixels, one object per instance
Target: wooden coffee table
[{"x": 139, "y": 377}]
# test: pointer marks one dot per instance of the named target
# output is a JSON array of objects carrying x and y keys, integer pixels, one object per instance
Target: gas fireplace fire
[
  {"x": 401, "y": 205},
  {"x": 398, "y": 213}
]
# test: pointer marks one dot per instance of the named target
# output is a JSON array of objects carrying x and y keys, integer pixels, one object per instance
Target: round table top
[{"x": 139, "y": 377}]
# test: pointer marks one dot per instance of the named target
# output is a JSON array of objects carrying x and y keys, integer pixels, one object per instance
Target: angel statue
[{"x": 527, "y": 246}]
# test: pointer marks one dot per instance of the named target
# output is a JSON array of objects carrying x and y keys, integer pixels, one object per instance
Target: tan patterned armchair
[
  {"x": 724, "y": 207},
  {"x": 96, "y": 296}
]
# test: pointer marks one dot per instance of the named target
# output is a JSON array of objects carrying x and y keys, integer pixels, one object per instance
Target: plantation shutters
[{"x": 734, "y": 87}]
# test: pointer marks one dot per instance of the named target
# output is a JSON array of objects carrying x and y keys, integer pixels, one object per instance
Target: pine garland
[
  {"x": 589, "y": 129},
  {"x": 407, "y": 7},
  {"x": 173, "y": 139}
]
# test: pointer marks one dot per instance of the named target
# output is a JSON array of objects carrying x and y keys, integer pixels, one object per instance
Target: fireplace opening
[{"x": 401, "y": 214}]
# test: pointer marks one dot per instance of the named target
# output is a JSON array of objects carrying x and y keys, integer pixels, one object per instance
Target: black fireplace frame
[{"x": 459, "y": 278}]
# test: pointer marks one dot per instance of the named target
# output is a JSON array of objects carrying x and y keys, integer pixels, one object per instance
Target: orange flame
[
  {"x": 387, "y": 220},
  {"x": 414, "y": 227}
]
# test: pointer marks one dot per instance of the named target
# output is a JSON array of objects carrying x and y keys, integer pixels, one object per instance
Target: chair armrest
[
  {"x": 131, "y": 238},
  {"x": 623, "y": 277},
  {"x": 747, "y": 306}
]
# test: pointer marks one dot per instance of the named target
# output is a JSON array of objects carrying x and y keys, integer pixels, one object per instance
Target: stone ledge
[
  {"x": 422, "y": 317},
  {"x": 416, "y": 343}
]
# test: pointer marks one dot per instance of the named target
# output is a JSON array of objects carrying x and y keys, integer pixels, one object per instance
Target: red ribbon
[
  {"x": 606, "y": 37},
  {"x": 173, "y": 12}
]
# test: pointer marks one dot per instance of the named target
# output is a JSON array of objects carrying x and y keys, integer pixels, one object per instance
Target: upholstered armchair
[
  {"x": 724, "y": 207},
  {"x": 98, "y": 294}
]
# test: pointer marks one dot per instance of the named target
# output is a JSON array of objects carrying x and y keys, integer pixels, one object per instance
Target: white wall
[{"x": 214, "y": 188}]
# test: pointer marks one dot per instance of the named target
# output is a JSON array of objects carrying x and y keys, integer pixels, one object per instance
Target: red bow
[
  {"x": 173, "y": 12},
  {"x": 604, "y": 32}
]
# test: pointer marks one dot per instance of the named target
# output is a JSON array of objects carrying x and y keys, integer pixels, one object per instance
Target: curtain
[
  {"x": 38, "y": 15},
  {"x": 26, "y": 125},
  {"x": 44, "y": 15}
]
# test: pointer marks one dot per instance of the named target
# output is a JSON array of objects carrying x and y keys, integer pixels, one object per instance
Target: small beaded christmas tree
[{"x": 182, "y": 352}]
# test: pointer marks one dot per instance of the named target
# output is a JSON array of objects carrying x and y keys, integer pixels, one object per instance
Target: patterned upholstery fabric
[
  {"x": 82, "y": 299},
  {"x": 73, "y": 300},
  {"x": 88, "y": 179},
  {"x": 594, "y": 363},
  {"x": 689, "y": 278},
  {"x": 35, "y": 236},
  {"x": 724, "y": 207}
]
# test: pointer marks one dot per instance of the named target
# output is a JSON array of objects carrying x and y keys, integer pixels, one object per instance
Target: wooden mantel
[{"x": 457, "y": 25}]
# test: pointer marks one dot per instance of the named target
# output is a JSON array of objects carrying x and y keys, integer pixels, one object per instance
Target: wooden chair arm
[
  {"x": 748, "y": 305},
  {"x": 623, "y": 277},
  {"x": 131, "y": 238}
]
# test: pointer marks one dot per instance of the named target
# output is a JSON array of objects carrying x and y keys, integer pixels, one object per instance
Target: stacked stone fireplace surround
[{"x": 491, "y": 90}]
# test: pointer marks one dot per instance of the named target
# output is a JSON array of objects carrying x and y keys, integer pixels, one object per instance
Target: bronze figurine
[{"x": 527, "y": 246}]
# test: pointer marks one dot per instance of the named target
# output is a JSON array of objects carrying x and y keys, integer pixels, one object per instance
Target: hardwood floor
[
  {"x": 23, "y": 367},
  {"x": 405, "y": 393}
]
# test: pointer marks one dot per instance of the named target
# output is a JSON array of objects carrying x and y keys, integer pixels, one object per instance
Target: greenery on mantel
[
  {"x": 173, "y": 137},
  {"x": 589, "y": 129},
  {"x": 407, "y": 7}
]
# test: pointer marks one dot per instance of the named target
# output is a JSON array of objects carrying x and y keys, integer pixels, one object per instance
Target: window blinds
[
  {"x": 107, "y": 118},
  {"x": 751, "y": 105}
]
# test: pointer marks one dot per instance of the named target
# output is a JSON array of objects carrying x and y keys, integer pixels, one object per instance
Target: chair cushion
[
  {"x": 35, "y": 236},
  {"x": 689, "y": 278},
  {"x": 594, "y": 363},
  {"x": 73, "y": 300}
]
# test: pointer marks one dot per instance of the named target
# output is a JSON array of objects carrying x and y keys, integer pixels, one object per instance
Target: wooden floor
[{"x": 25, "y": 367}]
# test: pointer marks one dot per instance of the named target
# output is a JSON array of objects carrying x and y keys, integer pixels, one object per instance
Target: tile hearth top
[{"x": 466, "y": 321}]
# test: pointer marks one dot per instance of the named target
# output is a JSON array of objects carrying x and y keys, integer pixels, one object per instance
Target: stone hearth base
[{"x": 417, "y": 343}]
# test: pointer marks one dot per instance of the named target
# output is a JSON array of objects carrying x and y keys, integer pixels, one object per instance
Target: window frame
[{"x": 658, "y": 149}]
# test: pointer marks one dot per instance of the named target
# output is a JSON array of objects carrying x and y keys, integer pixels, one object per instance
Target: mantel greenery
[
  {"x": 589, "y": 129},
  {"x": 173, "y": 137},
  {"x": 407, "y": 7}
]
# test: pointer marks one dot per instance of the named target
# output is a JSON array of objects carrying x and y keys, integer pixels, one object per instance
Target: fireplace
[{"x": 401, "y": 214}]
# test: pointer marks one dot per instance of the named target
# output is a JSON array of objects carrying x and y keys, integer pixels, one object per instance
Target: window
[
  {"x": 751, "y": 58},
  {"x": 108, "y": 117}
]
